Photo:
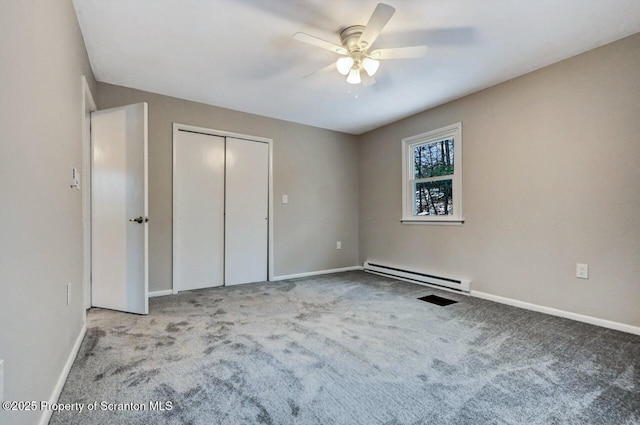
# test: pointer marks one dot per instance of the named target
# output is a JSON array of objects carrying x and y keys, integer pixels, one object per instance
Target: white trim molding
[
  {"x": 88, "y": 106},
  {"x": 161, "y": 293},
  {"x": 454, "y": 132},
  {"x": 316, "y": 273},
  {"x": 622, "y": 327},
  {"x": 55, "y": 395}
]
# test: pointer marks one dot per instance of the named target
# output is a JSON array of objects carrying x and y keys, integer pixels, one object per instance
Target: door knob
[{"x": 140, "y": 219}]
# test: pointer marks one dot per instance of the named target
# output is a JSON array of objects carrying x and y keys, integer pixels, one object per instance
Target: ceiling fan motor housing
[{"x": 350, "y": 38}]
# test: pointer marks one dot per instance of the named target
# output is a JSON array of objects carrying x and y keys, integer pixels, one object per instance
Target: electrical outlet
[
  {"x": 338, "y": 245},
  {"x": 69, "y": 293},
  {"x": 1, "y": 380},
  {"x": 582, "y": 271}
]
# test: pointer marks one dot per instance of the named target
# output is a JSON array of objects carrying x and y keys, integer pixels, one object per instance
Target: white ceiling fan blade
[
  {"x": 378, "y": 20},
  {"x": 400, "y": 53},
  {"x": 326, "y": 68},
  {"x": 318, "y": 42}
]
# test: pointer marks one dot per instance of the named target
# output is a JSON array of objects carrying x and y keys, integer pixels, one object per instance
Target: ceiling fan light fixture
[
  {"x": 370, "y": 66},
  {"x": 354, "y": 77},
  {"x": 344, "y": 65},
  {"x": 356, "y": 41}
]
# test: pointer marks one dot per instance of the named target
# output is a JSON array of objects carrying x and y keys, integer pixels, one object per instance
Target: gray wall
[
  {"x": 317, "y": 168},
  {"x": 43, "y": 58},
  {"x": 550, "y": 178}
]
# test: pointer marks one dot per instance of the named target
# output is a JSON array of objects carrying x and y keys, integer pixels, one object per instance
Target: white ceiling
[{"x": 239, "y": 54}]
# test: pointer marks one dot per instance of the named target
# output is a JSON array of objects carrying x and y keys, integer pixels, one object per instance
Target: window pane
[
  {"x": 433, "y": 159},
  {"x": 434, "y": 198}
]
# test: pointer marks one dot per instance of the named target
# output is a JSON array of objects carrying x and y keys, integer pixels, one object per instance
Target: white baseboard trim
[
  {"x": 46, "y": 414},
  {"x": 623, "y": 327},
  {"x": 161, "y": 293},
  {"x": 316, "y": 273}
]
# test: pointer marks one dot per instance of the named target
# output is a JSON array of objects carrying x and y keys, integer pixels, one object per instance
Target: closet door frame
[{"x": 185, "y": 127}]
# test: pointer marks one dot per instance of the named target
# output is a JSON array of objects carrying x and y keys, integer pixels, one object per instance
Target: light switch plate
[
  {"x": 285, "y": 199},
  {"x": 582, "y": 271},
  {"x": 338, "y": 245}
]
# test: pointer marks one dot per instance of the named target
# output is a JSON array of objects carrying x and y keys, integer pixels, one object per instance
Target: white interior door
[
  {"x": 119, "y": 209},
  {"x": 198, "y": 210},
  {"x": 247, "y": 212}
]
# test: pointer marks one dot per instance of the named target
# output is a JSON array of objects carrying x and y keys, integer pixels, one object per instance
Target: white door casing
[
  {"x": 88, "y": 106},
  {"x": 198, "y": 210},
  {"x": 119, "y": 188}
]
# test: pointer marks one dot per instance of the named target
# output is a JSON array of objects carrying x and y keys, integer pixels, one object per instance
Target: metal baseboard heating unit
[{"x": 458, "y": 285}]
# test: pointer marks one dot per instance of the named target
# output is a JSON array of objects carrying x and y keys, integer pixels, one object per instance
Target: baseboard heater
[{"x": 458, "y": 285}]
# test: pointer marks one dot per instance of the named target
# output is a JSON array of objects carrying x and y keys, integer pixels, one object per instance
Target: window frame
[{"x": 453, "y": 131}]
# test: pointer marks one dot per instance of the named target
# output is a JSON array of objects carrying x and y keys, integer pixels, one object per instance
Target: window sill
[{"x": 434, "y": 222}]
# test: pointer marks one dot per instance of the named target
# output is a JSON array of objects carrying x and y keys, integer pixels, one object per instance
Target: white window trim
[{"x": 453, "y": 131}]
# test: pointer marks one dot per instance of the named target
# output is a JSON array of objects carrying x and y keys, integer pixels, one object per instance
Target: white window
[{"x": 432, "y": 176}]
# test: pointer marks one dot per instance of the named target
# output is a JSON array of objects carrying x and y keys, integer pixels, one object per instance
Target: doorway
[
  {"x": 114, "y": 172},
  {"x": 88, "y": 106}
]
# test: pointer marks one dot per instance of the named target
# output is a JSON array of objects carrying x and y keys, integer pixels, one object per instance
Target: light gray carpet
[{"x": 351, "y": 348}]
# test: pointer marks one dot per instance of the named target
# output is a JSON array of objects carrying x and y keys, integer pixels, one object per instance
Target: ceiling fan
[{"x": 356, "y": 43}]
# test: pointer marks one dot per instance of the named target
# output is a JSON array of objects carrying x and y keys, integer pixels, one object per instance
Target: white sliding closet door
[
  {"x": 198, "y": 215},
  {"x": 247, "y": 212}
]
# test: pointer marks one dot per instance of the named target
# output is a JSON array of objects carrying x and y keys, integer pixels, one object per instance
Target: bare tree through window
[{"x": 434, "y": 160}]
